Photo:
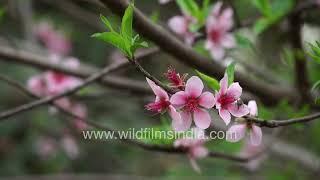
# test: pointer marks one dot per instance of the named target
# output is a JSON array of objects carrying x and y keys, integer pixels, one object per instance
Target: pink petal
[
  {"x": 164, "y": 1},
  {"x": 199, "y": 152},
  {"x": 236, "y": 132},
  {"x": 216, "y": 8},
  {"x": 253, "y": 108},
  {"x": 224, "y": 84},
  {"x": 179, "y": 98},
  {"x": 255, "y": 135},
  {"x": 226, "y": 19},
  {"x": 202, "y": 118},
  {"x": 238, "y": 110},
  {"x": 217, "y": 52},
  {"x": 178, "y": 25},
  {"x": 158, "y": 91},
  {"x": 225, "y": 115},
  {"x": 177, "y": 123},
  {"x": 72, "y": 63},
  {"x": 235, "y": 90},
  {"x": 228, "y": 41},
  {"x": 194, "y": 86},
  {"x": 186, "y": 121},
  {"x": 207, "y": 100}
]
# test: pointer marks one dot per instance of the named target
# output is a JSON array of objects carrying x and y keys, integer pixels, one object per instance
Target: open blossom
[
  {"x": 193, "y": 103},
  {"x": 180, "y": 26},
  {"x": 227, "y": 100},
  {"x": 162, "y": 104},
  {"x": 194, "y": 146},
  {"x": 238, "y": 131},
  {"x": 218, "y": 25},
  {"x": 54, "y": 41},
  {"x": 176, "y": 80}
]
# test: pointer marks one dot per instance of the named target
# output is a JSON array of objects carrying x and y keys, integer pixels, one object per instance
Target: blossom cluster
[
  {"x": 190, "y": 103},
  {"x": 50, "y": 83},
  {"x": 218, "y": 25}
]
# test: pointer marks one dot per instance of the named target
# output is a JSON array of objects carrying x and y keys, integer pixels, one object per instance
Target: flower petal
[
  {"x": 194, "y": 86},
  {"x": 177, "y": 123},
  {"x": 225, "y": 115},
  {"x": 207, "y": 100},
  {"x": 235, "y": 90},
  {"x": 199, "y": 152},
  {"x": 253, "y": 108},
  {"x": 178, "y": 25},
  {"x": 158, "y": 91},
  {"x": 194, "y": 165},
  {"x": 202, "y": 118},
  {"x": 238, "y": 110},
  {"x": 217, "y": 51},
  {"x": 223, "y": 84},
  {"x": 186, "y": 122},
  {"x": 216, "y": 8},
  {"x": 179, "y": 98},
  {"x": 228, "y": 41},
  {"x": 255, "y": 135},
  {"x": 236, "y": 132}
]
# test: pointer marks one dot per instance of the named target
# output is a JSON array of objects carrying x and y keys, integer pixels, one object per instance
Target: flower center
[
  {"x": 192, "y": 104},
  {"x": 59, "y": 77},
  {"x": 225, "y": 100},
  {"x": 158, "y": 107},
  {"x": 215, "y": 35}
]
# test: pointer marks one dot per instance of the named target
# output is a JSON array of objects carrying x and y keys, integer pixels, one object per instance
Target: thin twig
[{"x": 279, "y": 123}]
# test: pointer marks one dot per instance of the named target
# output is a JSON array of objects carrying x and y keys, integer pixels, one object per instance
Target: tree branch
[
  {"x": 278, "y": 123},
  {"x": 41, "y": 62}
]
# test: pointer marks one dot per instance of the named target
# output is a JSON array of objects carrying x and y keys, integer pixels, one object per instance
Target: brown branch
[
  {"x": 279, "y": 123},
  {"x": 41, "y": 62},
  {"x": 301, "y": 73}
]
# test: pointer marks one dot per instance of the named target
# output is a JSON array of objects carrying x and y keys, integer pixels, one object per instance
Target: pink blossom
[
  {"x": 37, "y": 85},
  {"x": 193, "y": 103},
  {"x": 46, "y": 147},
  {"x": 194, "y": 146},
  {"x": 218, "y": 25},
  {"x": 227, "y": 100},
  {"x": 162, "y": 104},
  {"x": 70, "y": 146},
  {"x": 54, "y": 41},
  {"x": 238, "y": 131},
  {"x": 180, "y": 26},
  {"x": 176, "y": 81},
  {"x": 81, "y": 111},
  {"x": 249, "y": 150}
]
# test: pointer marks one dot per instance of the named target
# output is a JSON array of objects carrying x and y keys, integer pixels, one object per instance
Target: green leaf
[
  {"x": 315, "y": 86},
  {"x": 189, "y": 7},
  {"x": 211, "y": 82},
  {"x": 243, "y": 41},
  {"x": 126, "y": 24},
  {"x": 114, "y": 39},
  {"x": 315, "y": 54},
  {"x": 262, "y": 24},
  {"x": 106, "y": 23},
  {"x": 230, "y": 72},
  {"x": 263, "y": 6}
]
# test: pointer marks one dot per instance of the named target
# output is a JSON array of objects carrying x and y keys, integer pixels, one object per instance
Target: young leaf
[
  {"x": 263, "y": 6},
  {"x": 316, "y": 85},
  {"x": 230, "y": 72},
  {"x": 189, "y": 7},
  {"x": 106, "y": 23},
  {"x": 211, "y": 82},
  {"x": 126, "y": 24},
  {"x": 315, "y": 54},
  {"x": 114, "y": 39}
]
